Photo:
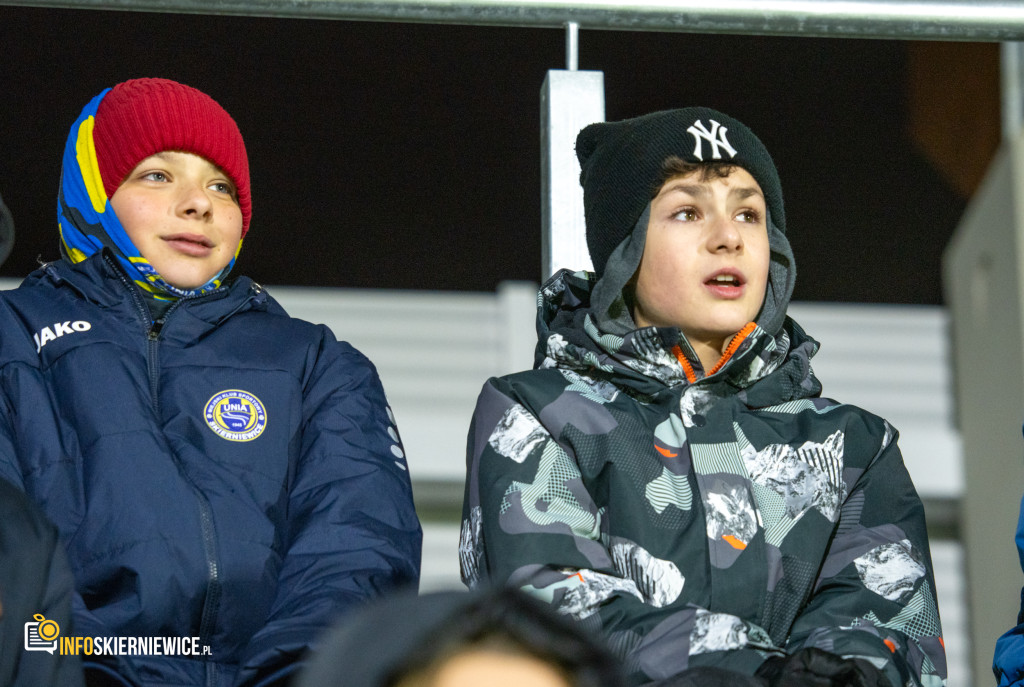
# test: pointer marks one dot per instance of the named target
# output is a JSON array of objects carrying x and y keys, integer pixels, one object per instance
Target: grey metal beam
[
  {"x": 569, "y": 100},
  {"x": 973, "y": 20},
  {"x": 1012, "y": 87}
]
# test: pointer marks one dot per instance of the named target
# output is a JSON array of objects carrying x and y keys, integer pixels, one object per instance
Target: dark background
[{"x": 407, "y": 156}]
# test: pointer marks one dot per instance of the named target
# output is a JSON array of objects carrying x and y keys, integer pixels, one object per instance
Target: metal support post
[
  {"x": 1012, "y": 87},
  {"x": 572, "y": 46},
  {"x": 569, "y": 100}
]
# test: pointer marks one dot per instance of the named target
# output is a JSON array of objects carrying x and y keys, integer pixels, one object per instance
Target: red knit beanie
[{"x": 142, "y": 117}]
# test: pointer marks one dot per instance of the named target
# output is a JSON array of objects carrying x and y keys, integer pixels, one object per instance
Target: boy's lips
[
  {"x": 727, "y": 283},
  {"x": 195, "y": 245}
]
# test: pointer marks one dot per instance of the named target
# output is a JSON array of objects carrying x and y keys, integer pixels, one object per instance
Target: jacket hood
[{"x": 764, "y": 369}]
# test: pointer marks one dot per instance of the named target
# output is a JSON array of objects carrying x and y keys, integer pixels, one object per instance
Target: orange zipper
[{"x": 740, "y": 337}]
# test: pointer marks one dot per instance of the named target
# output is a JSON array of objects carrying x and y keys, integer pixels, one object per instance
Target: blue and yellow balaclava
[{"x": 119, "y": 128}]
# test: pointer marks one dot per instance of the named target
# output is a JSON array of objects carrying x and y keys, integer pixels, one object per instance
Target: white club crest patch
[
  {"x": 235, "y": 415},
  {"x": 716, "y": 138}
]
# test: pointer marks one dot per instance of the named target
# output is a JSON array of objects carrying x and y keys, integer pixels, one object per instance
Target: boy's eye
[
  {"x": 155, "y": 176},
  {"x": 222, "y": 187},
  {"x": 686, "y": 215},
  {"x": 750, "y": 216}
]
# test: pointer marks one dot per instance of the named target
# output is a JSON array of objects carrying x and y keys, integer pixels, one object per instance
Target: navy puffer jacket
[{"x": 232, "y": 474}]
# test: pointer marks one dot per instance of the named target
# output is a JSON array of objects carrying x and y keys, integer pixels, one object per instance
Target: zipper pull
[
  {"x": 154, "y": 331},
  {"x": 259, "y": 294}
]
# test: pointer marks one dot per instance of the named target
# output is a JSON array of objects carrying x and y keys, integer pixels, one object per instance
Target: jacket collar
[
  {"x": 101, "y": 280},
  {"x": 649, "y": 359}
]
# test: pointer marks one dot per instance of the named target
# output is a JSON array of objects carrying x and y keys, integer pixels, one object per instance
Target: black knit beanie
[{"x": 621, "y": 165}]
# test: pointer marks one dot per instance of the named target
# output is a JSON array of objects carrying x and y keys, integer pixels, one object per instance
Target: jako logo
[
  {"x": 716, "y": 137},
  {"x": 47, "y": 334}
]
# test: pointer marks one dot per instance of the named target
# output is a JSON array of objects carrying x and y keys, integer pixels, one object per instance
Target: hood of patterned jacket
[{"x": 761, "y": 368}]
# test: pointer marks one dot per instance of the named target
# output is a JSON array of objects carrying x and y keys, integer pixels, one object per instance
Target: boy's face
[
  {"x": 705, "y": 262},
  {"x": 179, "y": 210}
]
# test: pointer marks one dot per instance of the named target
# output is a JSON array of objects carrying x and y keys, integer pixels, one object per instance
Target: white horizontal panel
[
  {"x": 382, "y": 299},
  {"x": 909, "y": 317},
  {"x": 433, "y": 363},
  {"x": 424, "y": 389},
  {"x": 440, "y": 570},
  {"x": 893, "y": 360},
  {"x": 381, "y": 312},
  {"x": 898, "y": 406},
  {"x": 948, "y": 564},
  {"x": 466, "y": 334},
  {"x": 933, "y": 454},
  {"x": 409, "y": 335},
  {"x": 926, "y": 370},
  {"x": 435, "y": 439},
  {"x": 887, "y": 332}
]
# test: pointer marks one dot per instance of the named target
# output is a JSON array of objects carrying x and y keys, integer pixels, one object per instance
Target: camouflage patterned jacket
[{"x": 709, "y": 522}]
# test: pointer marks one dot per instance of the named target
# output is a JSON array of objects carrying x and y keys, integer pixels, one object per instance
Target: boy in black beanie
[{"x": 669, "y": 472}]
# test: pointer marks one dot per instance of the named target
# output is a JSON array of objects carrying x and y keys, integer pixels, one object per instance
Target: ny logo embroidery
[{"x": 716, "y": 137}]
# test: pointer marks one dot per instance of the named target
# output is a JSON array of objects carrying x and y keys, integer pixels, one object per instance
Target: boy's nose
[
  {"x": 723, "y": 234},
  {"x": 195, "y": 201}
]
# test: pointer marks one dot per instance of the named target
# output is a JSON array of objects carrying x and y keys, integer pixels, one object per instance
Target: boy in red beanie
[{"x": 217, "y": 469}]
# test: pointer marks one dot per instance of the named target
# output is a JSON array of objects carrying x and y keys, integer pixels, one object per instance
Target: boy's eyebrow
[
  {"x": 744, "y": 192},
  {"x": 698, "y": 190},
  {"x": 702, "y": 190}
]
